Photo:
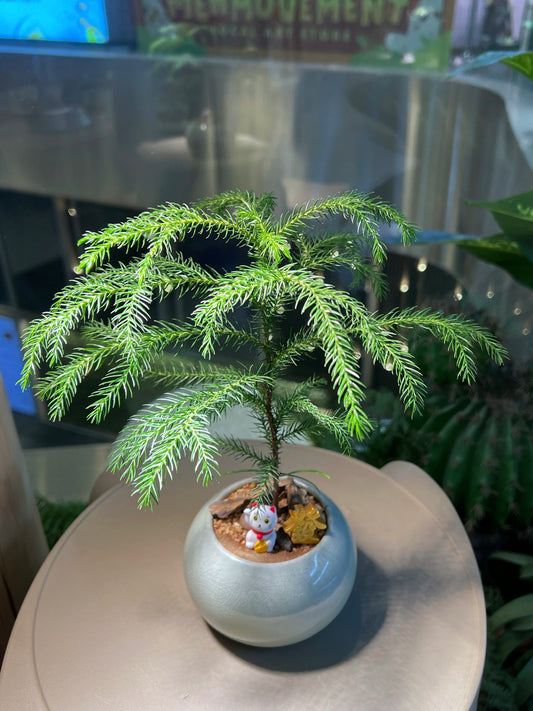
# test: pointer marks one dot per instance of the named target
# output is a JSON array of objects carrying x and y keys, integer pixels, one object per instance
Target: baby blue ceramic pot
[{"x": 270, "y": 604}]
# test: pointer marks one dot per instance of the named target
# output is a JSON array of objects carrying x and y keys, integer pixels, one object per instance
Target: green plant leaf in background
[
  {"x": 57, "y": 517},
  {"x": 510, "y": 629},
  {"x": 513, "y": 214},
  {"x": 503, "y": 253},
  {"x": 508, "y": 676},
  {"x": 511, "y": 626},
  {"x": 524, "y": 683},
  {"x": 524, "y": 561},
  {"x": 512, "y": 250},
  {"x": 522, "y": 62},
  {"x": 510, "y": 643}
]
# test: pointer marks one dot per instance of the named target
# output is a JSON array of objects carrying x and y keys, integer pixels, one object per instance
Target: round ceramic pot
[{"x": 270, "y": 604}]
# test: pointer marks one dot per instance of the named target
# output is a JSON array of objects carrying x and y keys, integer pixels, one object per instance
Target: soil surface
[{"x": 230, "y": 531}]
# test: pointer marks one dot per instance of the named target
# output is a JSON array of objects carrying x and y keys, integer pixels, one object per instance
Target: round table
[{"x": 108, "y": 622}]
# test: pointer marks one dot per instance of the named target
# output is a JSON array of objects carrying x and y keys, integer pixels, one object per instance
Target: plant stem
[{"x": 273, "y": 438}]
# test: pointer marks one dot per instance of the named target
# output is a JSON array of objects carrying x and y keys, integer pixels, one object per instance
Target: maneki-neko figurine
[{"x": 262, "y": 521}]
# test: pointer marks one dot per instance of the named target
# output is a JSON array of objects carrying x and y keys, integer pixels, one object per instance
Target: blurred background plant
[
  {"x": 507, "y": 683},
  {"x": 475, "y": 441},
  {"x": 178, "y": 75}
]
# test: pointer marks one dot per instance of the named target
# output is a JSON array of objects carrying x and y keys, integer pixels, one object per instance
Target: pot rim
[{"x": 321, "y": 496}]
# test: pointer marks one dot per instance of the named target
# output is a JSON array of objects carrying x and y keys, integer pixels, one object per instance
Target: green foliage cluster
[
  {"x": 57, "y": 517},
  {"x": 288, "y": 260},
  {"x": 512, "y": 248},
  {"x": 478, "y": 439},
  {"x": 507, "y": 683}
]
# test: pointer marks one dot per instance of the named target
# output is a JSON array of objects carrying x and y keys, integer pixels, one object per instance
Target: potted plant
[{"x": 285, "y": 271}]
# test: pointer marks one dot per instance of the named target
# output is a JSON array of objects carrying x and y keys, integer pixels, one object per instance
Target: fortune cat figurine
[{"x": 262, "y": 521}]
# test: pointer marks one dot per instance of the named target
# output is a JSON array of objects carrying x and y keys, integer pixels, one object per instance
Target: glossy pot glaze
[{"x": 270, "y": 604}]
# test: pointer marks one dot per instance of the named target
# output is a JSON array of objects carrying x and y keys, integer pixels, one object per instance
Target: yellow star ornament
[{"x": 303, "y": 523}]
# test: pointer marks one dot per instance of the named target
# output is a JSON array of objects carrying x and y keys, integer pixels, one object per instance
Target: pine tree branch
[
  {"x": 151, "y": 279},
  {"x": 321, "y": 420},
  {"x": 59, "y": 386},
  {"x": 323, "y": 306},
  {"x": 362, "y": 210},
  {"x": 238, "y": 287},
  {"x": 242, "y": 450},
  {"x": 103, "y": 345},
  {"x": 459, "y": 334},
  {"x": 158, "y": 230},
  {"x": 172, "y": 374},
  {"x": 333, "y": 251},
  {"x": 285, "y": 400},
  {"x": 246, "y": 208},
  {"x": 300, "y": 344},
  {"x": 261, "y": 205},
  {"x": 44, "y": 339},
  {"x": 390, "y": 351},
  {"x": 151, "y": 445},
  {"x": 110, "y": 288}
]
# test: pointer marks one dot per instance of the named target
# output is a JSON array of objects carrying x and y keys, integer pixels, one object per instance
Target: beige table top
[{"x": 108, "y": 622}]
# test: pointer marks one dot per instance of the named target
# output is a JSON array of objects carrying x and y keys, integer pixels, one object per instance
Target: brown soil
[{"x": 232, "y": 534}]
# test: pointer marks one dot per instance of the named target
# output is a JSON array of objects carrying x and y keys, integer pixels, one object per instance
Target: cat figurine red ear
[{"x": 262, "y": 522}]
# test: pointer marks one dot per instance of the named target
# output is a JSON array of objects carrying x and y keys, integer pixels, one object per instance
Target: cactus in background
[
  {"x": 483, "y": 459},
  {"x": 477, "y": 439}
]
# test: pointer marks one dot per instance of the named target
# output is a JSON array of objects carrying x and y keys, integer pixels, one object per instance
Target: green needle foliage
[{"x": 285, "y": 273}]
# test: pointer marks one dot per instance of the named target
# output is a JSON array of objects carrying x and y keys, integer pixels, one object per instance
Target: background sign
[{"x": 376, "y": 31}]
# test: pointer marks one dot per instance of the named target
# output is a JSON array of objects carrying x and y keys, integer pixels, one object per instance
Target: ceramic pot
[{"x": 270, "y": 604}]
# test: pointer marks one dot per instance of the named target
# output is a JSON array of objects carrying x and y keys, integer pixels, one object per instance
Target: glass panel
[
  {"x": 132, "y": 130},
  {"x": 303, "y": 99}
]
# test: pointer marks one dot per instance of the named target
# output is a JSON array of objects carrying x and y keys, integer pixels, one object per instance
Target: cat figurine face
[{"x": 262, "y": 521}]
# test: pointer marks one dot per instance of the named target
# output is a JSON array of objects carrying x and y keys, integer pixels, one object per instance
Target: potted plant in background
[{"x": 284, "y": 272}]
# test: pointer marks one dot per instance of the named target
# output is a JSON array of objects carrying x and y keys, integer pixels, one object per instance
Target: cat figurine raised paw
[{"x": 262, "y": 521}]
